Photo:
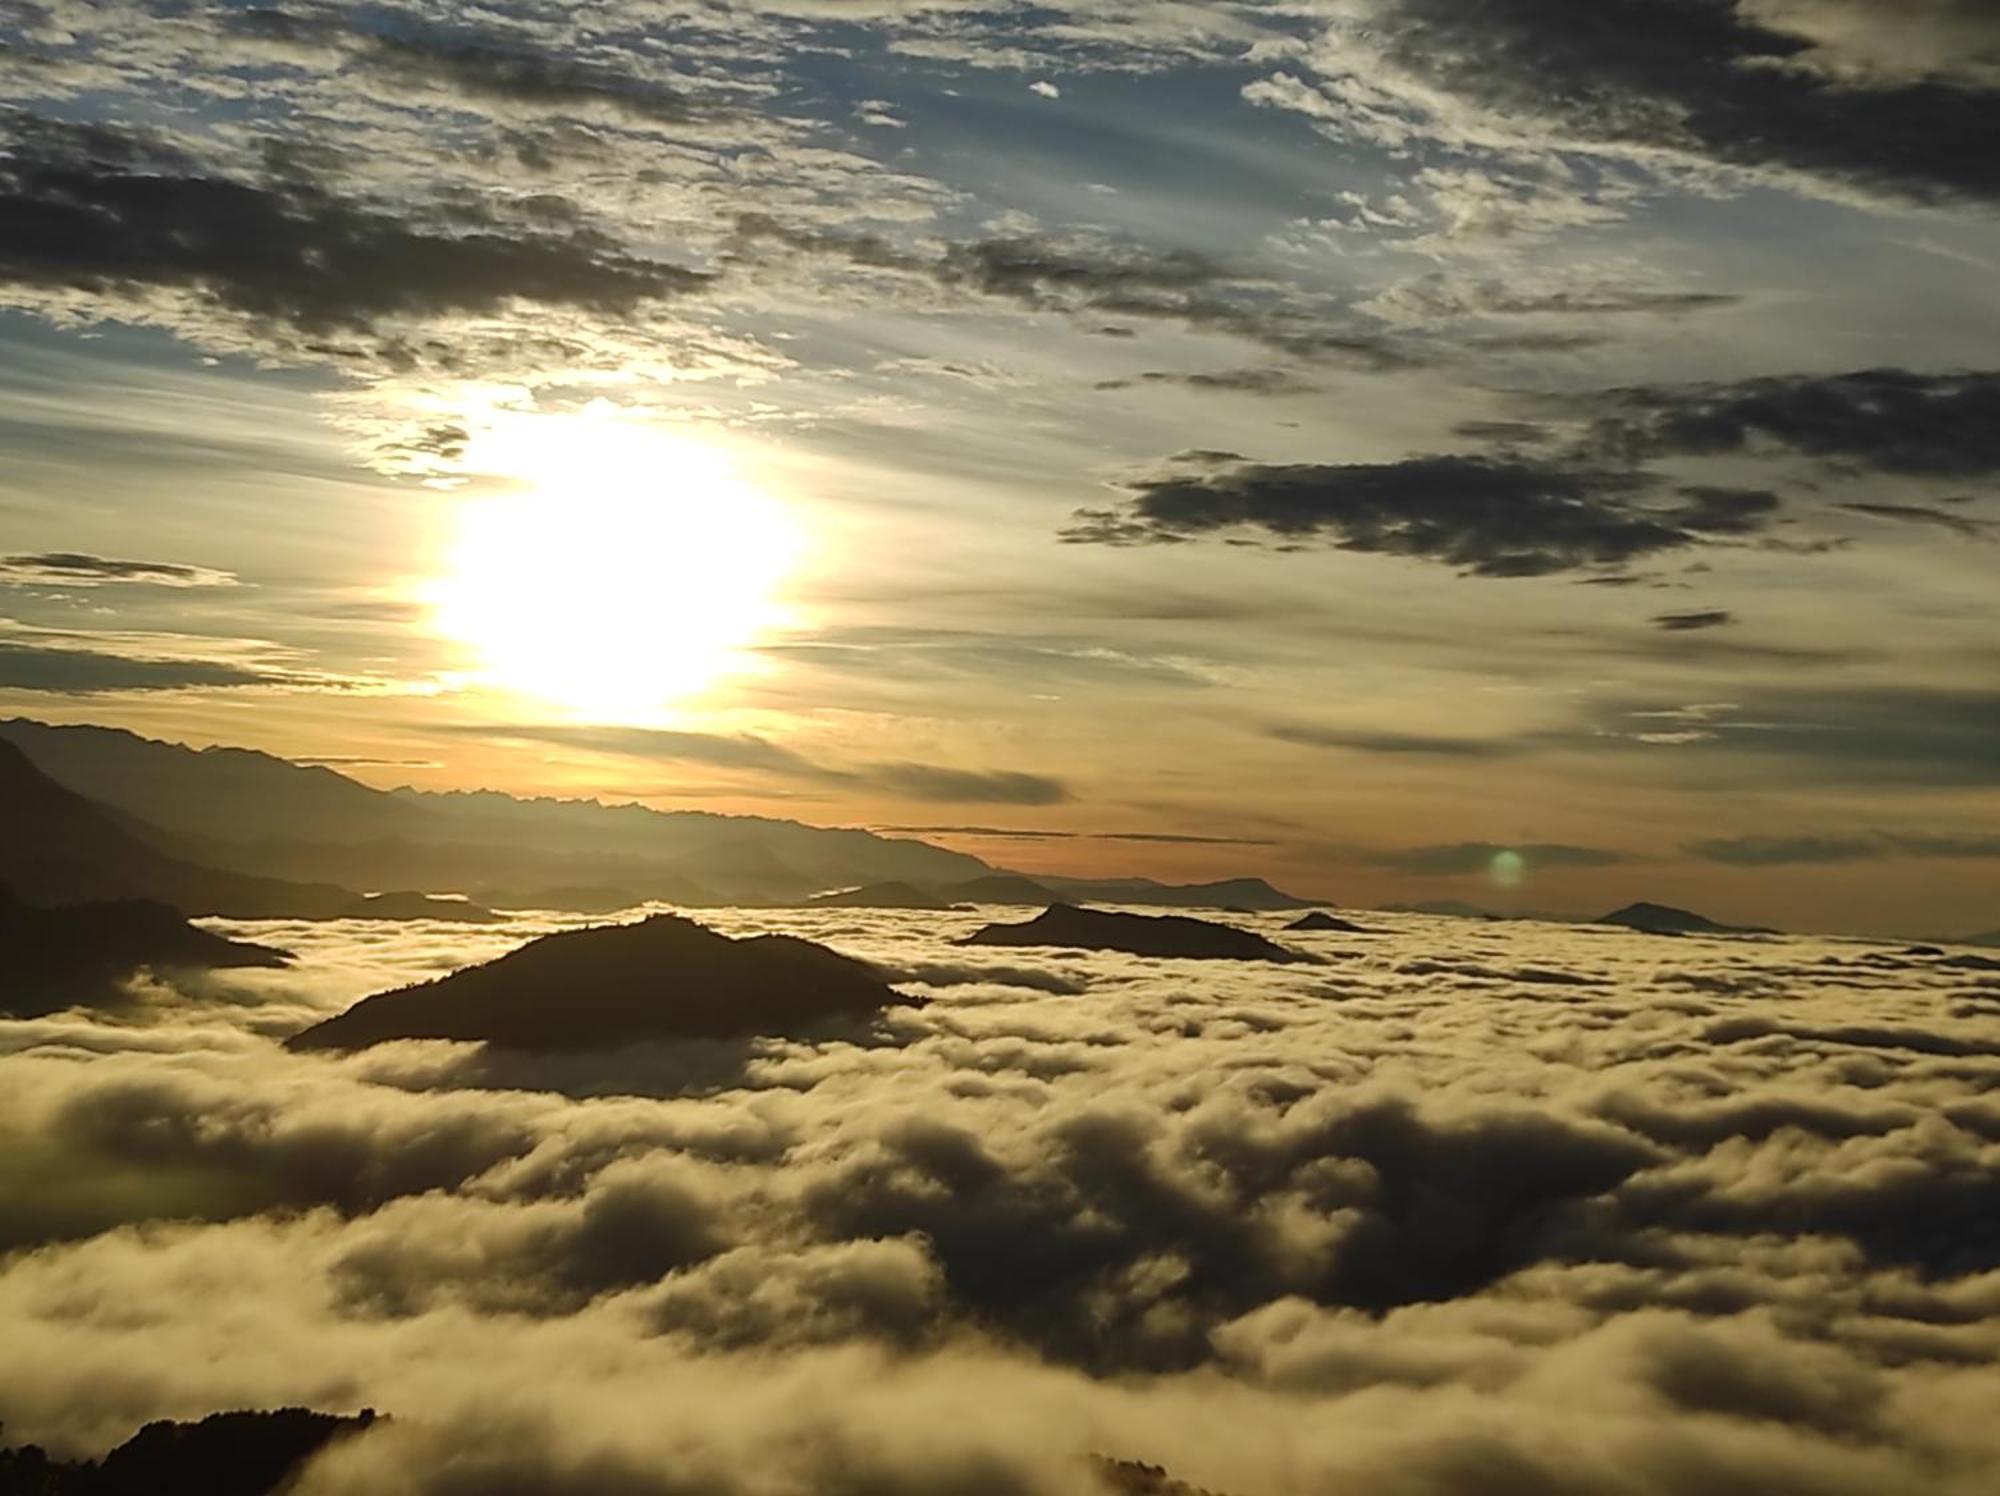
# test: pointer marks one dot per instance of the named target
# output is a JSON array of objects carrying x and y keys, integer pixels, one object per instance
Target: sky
[{"x": 1344, "y": 440}]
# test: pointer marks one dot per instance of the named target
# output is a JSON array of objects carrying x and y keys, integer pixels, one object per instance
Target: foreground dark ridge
[
  {"x": 1138, "y": 935},
  {"x": 662, "y": 978},
  {"x": 88, "y": 953},
  {"x": 225, "y": 1454}
]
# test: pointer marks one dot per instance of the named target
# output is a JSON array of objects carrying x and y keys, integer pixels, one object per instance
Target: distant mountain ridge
[
  {"x": 262, "y": 814},
  {"x": 1221, "y": 893},
  {"x": 60, "y": 847}
]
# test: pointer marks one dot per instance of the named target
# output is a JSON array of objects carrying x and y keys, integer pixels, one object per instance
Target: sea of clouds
[{"x": 1470, "y": 1210}]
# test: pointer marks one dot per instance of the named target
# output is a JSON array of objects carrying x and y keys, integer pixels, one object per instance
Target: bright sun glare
[{"x": 628, "y": 569}]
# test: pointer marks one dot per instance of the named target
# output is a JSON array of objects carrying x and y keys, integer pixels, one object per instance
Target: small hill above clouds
[
  {"x": 1138, "y": 935},
  {"x": 225, "y": 1454},
  {"x": 879, "y": 896},
  {"x": 999, "y": 888},
  {"x": 1223, "y": 893},
  {"x": 662, "y": 978},
  {"x": 1319, "y": 919},
  {"x": 85, "y": 954},
  {"x": 1664, "y": 919},
  {"x": 61, "y": 848}
]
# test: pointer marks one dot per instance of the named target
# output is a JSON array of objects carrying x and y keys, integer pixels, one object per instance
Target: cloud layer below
[{"x": 1565, "y": 1209}]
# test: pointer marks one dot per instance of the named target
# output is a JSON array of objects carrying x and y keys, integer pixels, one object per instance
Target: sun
[{"x": 624, "y": 569}]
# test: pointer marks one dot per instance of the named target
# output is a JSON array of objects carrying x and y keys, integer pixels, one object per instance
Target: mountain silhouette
[
  {"x": 86, "y": 953},
  {"x": 998, "y": 888},
  {"x": 1319, "y": 919},
  {"x": 238, "y": 808},
  {"x": 663, "y": 977},
  {"x": 1136, "y": 934},
  {"x": 263, "y": 816},
  {"x": 880, "y": 896},
  {"x": 1240, "y": 893},
  {"x": 225, "y": 1454},
  {"x": 586, "y": 898},
  {"x": 61, "y": 848},
  {"x": 1664, "y": 919}
]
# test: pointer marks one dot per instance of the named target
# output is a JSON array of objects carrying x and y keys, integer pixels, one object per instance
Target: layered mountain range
[{"x": 239, "y": 814}]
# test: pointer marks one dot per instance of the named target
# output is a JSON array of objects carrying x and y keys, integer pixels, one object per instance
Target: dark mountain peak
[
  {"x": 1664, "y": 919},
  {"x": 1136, "y": 934},
  {"x": 891, "y": 895},
  {"x": 1221, "y": 893},
  {"x": 1000, "y": 888},
  {"x": 87, "y": 953},
  {"x": 1319, "y": 919},
  {"x": 662, "y": 978}
]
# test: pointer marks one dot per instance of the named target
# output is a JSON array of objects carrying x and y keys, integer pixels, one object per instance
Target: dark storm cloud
[
  {"x": 1881, "y": 735},
  {"x": 1920, "y": 514},
  {"x": 83, "y": 672},
  {"x": 79, "y": 570},
  {"x": 1095, "y": 277},
  {"x": 1393, "y": 743},
  {"x": 1885, "y": 420},
  {"x": 905, "y": 654},
  {"x": 503, "y": 68},
  {"x": 1682, "y": 623},
  {"x": 93, "y": 210},
  {"x": 932, "y": 782},
  {"x": 1843, "y": 847},
  {"x": 1018, "y": 833},
  {"x": 1237, "y": 381},
  {"x": 1725, "y": 81},
  {"x": 748, "y": 752},
  {"x": 1506, "y": 512},
  {"x": 1461, "y": 858},
  {"x": 1486, "y": 516},
  {"x": 1505, "y": 433},
  {"x": 1445, "y": 294},
  {"x": 1043, "y": 835},
  {"x": 1039, "y": 270},
  {"x": 363, "y": 761}
]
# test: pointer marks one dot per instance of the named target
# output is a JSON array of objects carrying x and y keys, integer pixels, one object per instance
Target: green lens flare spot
[{"x": 1508, "y": 869}]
